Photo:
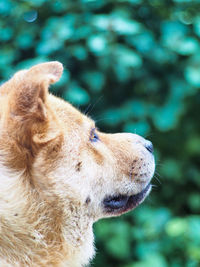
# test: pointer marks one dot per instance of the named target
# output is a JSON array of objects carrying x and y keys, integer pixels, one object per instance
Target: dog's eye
[{"x": 93, "y": 136}]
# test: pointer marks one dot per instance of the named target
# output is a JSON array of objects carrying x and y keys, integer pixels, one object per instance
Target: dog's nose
[{"x": 149, "y": 146}]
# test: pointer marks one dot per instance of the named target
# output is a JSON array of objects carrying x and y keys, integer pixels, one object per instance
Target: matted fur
[{"x": 54, "y": 177}]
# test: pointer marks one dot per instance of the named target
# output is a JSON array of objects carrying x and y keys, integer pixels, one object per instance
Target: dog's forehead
[{"x": 68, "y": 113}]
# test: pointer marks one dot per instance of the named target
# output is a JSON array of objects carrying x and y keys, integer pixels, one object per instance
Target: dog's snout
[
  {"x": 139, "y": 140},
  {"x": 149, "y": 146}
]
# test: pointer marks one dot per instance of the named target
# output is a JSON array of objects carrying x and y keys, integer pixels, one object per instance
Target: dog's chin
[{"x": 118, "y": 204}]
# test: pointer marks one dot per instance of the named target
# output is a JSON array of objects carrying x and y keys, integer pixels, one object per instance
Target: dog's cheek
[{"x": 96, "y": 155}]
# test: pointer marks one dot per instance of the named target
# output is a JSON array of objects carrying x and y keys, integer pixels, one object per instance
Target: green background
[{"x": 134, "y": 65}]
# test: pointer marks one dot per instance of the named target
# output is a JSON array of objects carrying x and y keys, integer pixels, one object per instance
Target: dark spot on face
[
  {"x": 71, "y": 208},
  {"x": 78, "y": 166},
  {"x": 88, "y": 200},
  {"x": 135, "y": 160},
  {"x": 133, "y": 176},
  {"x": 16, "y": 214}
]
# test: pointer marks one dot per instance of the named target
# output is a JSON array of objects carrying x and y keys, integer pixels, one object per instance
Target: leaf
[
  {"x": 192, "y": 75},
  {"x": 94, "y": 79},
  {"x": 97, "y": 44},
  {"x": 76, "y": 95},
  {"x": 177, "y": 227}
]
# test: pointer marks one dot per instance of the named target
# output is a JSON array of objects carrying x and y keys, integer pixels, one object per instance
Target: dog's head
[{"x": 63, "y": 155}]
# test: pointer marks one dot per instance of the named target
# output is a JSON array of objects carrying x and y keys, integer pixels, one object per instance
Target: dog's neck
[{"x": 40, "y": 234}]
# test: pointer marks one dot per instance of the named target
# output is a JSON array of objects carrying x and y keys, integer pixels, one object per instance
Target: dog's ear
[
  {"x": 28, "y": 89},
  {"x": 28, "y": 116}
]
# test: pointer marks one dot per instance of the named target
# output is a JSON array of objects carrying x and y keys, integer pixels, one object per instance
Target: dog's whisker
[
  {"x": 102, "y": 119},
  {"x": 154, "y": 186},
  {"x": 157, "y": 179},
  {"x": 87, "y": 109},
  {"x": 91, "y": 106}
]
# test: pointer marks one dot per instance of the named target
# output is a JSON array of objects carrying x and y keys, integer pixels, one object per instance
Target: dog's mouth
[{"x": 123, "y": 203}]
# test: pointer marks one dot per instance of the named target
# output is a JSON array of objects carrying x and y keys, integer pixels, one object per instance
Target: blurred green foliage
[{"x": 135, "y": 66}]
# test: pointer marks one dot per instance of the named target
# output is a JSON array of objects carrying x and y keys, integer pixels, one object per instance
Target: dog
[{"x": 59, "y": 174}]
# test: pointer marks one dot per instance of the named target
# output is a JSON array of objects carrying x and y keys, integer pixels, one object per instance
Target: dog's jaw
[{"x": 117, "y": 205}]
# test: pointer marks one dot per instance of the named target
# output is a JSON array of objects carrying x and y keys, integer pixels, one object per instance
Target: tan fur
[{"x": 53, "y": 179}]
